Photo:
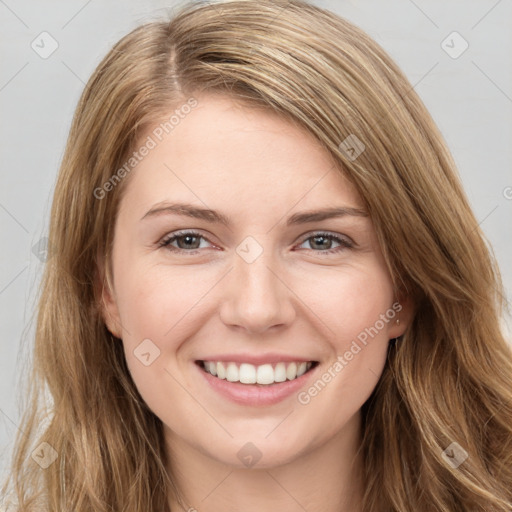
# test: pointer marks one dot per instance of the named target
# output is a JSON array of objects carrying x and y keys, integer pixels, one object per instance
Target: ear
[
  {"x": 107, "y": 300},
  {"x": 404, "y": 313}
]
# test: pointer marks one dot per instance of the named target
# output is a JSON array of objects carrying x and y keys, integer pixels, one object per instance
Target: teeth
[
  {"x": 249, "y": 374},
  {"x": 232, "y": 372},
  {"x": 280, "y": 372},
  {"x": 265, "y": 374},
  {"x": 212, "y": 368},
  {"x": 291, "y": 371},
  {"x": 301, "y": 369},
  {"x": 221, "y": 371}
]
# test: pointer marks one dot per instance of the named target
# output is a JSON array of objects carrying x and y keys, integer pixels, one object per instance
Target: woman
[{"x": 267, "y": 287}]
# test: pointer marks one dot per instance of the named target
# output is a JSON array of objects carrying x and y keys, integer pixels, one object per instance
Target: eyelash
[{"x": 165, "y": 242}]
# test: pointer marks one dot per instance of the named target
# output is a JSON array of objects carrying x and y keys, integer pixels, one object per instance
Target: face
[{"x": 247, "y": 279}]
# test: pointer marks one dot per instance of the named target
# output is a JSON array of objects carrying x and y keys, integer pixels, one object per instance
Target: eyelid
[
  {"x": 344, "y": 241},
  {"x": 170, "y": 237},
  {"x": 339, "y": 236}
]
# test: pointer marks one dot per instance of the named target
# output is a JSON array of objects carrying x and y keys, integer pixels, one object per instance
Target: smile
[{"x": 264, "y": 374}]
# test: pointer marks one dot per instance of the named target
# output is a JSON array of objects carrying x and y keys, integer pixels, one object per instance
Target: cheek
[
  {"x": 160, "y": 310},
  {"x": 153, "y": 336},
  {"x": 154, "y": 300},
  {"x": 356, "y": 313},
  {"x": 349, "y": 301}
]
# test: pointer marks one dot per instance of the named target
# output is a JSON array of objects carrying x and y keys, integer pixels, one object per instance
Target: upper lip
[{"x": 257, "y": 360}]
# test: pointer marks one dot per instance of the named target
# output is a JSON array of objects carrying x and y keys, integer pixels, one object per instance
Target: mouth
[{"x": 264, "y": 375}]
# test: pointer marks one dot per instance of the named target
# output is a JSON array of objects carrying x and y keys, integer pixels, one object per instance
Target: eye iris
[
  {"x": 190, "y": 241},
  {"x": 187, "y": 244},
  {"x": 323, "y": 239}
]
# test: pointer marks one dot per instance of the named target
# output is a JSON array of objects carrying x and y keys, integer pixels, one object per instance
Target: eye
[
  {"x": 323, "y": 241},
  {"x": 185, "y": 240},
  {"x": 190, "y": 242}
]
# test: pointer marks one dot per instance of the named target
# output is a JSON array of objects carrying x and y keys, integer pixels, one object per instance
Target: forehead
[{"x": 231, "y": 153}]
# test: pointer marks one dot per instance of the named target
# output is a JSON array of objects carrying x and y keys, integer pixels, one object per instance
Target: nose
[{"x": 257, "y": 297}]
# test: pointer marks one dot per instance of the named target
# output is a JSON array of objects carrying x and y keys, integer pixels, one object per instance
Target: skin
[{"x": 295, "y": 298}]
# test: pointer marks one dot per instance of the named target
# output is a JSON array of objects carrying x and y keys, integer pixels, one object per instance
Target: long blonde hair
[{"x": 448, "y": 380}]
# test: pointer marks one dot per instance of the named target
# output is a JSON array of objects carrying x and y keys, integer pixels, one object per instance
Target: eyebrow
[{"x": 214, "y": 216}]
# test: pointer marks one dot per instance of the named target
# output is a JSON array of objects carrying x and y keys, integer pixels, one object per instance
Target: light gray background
[{"x": 470, "y": 98}]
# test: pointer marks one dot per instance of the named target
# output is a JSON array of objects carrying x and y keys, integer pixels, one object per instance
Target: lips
[{"x": 256, "y": 395}]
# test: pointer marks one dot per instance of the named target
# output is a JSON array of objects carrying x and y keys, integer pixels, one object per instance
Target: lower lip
[{"x": 256, "y": 394}]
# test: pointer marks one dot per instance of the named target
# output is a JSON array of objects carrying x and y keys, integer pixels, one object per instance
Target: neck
[{"x": 326, "y": 478}]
